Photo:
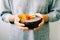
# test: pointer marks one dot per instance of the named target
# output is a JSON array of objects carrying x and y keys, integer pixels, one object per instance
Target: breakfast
[{"x": 30, "y": 21}]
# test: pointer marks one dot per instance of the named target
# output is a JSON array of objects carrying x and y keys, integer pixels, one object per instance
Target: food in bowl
[{"x": 30, "y": 21}]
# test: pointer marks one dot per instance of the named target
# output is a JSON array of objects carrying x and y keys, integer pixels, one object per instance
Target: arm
[
  {"x": 6, "y": 13},
  {"x": 5, "y": 10},
  {"x": 54, "y": 13}
]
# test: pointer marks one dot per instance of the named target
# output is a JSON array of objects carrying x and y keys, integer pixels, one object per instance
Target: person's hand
[
  {"x": 41, "y": 24},
  {"x": 15, "y": 19}
]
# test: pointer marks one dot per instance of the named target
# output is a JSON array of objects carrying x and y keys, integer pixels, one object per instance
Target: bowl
[{"x": 32, "y": 23}]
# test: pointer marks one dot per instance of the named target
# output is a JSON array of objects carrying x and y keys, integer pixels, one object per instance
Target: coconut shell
[{"x": 32, "y": 24}]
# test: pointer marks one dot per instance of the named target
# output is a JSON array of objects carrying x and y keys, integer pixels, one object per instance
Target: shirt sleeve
[
  {"x": 54, "y": 13},
  {"x": 5, "y": 10}
]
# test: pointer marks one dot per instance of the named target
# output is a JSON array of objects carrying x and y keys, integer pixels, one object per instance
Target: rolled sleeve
[
  {"x": 5, "y": 17},
  {"x": 54, "y": 16},
  {"x": 54, "y": 13},
  {"x": 5, "y": 10}
]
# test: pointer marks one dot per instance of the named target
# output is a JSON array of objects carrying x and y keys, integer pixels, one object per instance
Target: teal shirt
[{"x": 49, "y": 7}]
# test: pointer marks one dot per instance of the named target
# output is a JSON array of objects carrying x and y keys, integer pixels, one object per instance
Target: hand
[
  {"x": 15, "y": 19},
  {"x": 41, "y": 24}
]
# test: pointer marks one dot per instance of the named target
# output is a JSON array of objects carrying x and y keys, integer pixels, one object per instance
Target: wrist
[
  {"x": 11, "y": 19},
  {"x": 45, "y": 17}
]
